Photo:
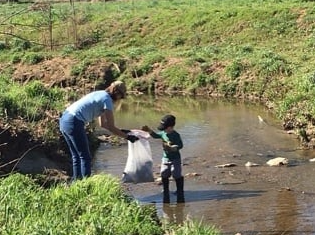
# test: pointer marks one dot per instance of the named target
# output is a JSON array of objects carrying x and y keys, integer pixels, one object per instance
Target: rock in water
[{"x": 278, "y": 161}]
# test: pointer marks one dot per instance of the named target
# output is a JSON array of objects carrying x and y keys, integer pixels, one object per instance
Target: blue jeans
[{"x": 74, "y": 133}]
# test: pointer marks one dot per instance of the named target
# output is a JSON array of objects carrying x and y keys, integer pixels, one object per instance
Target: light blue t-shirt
[{"x": 91, "y": 106}]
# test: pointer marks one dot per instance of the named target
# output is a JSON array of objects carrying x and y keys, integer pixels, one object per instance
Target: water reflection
[
  {"x": 174, "y": 213},
  {"x": 259, "y": 200},
  {"x": 286, "y": 218}
]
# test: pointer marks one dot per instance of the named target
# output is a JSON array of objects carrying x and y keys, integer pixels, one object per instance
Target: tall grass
[
  {"x": 31, "y": 102},
  {"x": 94, "y": 206}
]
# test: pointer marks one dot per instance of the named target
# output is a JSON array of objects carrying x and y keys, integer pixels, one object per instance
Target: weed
[
  {"x": 272, "y": 64},
  {"x": 16, "y": 58},
  {"x": 195, "y": 228},
  {"x": 3, "y": 46},
  {"x": 20, "y": 44},
  {"x": 77, "y": 70},
  {"x": 235, "y": 69},
  {"x": 203, "y": 80},
  {"x": 33, "y": 58},
  {"x": 177, "y": 76},
  {"x": 228, "y": 88},
  {"x": 179, "y": 41}
]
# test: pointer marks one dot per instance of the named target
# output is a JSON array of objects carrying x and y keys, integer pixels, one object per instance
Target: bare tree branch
[
  {"x": 16, "y": 13},
  {"x": 20, "y": 158}
]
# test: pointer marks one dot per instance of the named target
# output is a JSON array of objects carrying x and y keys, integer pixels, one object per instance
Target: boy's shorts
[{"x": 171, "y": 168}]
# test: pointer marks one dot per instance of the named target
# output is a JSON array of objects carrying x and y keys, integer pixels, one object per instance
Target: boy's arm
[
  {"x": 151, "y": 132},
  {"x": 180, "y": 142},
  {"x": 177, "y": 144}
]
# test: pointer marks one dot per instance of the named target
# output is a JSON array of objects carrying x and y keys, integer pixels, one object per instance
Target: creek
[{"x": 238, "y": 199}]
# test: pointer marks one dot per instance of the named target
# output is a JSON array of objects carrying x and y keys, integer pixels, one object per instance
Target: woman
[{"x": 97, "y": 104}]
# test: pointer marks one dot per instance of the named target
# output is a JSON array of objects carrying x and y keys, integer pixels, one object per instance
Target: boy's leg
[
  {"x": 177, "y": 174},
  {"x": 180, "y": 189},
  {"x": 165, "y": 174},
  {"x": 166, "y": 192}
]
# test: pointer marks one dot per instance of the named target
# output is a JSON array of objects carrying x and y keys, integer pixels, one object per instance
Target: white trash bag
[{"x": 139, "y": 164}]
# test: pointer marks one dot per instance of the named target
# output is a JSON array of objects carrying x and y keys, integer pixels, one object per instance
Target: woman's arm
[{"x": 106, "y": 121}]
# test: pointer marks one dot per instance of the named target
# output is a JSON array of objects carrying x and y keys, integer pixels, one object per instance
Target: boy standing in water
[{"x": 171, "y": 160}]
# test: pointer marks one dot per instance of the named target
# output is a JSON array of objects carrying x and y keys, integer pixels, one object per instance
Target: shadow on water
[
  {"x": 267, "y": 232},
  {"x": 204, "y": 195},
  {"x": 251, "y": 201}
]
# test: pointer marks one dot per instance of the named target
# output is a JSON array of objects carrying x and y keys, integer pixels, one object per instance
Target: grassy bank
[
  {"x": 243, "y": 49},
  {"x": 98, "y": 205}
]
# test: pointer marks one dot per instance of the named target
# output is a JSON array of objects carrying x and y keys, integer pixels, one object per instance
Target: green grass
[
  {"x": 255, "y": 48},
  {"x": 34, "y": 103},
  {"x": 194, "y": 228},
  {"x": 30, "y": 101},
  {"x": 94, "y": 206}
]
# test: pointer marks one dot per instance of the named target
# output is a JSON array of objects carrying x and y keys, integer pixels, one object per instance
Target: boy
[{"x": 171, "y": 160}]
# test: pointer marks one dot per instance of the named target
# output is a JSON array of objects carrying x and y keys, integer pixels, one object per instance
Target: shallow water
[{"x": 256, "y": 200}]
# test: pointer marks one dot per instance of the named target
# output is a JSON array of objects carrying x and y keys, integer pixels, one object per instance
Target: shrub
[
  {"x": 235, "y": 69},
  {"x": 3, "y": 46},
  {"x": 21, "y": 45},
  {"x": 33, "y": 58}
]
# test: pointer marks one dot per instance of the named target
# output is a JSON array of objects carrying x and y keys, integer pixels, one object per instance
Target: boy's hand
[
  {"x": 169, "y": 148},
  {"x": 146, "y": 128}
]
